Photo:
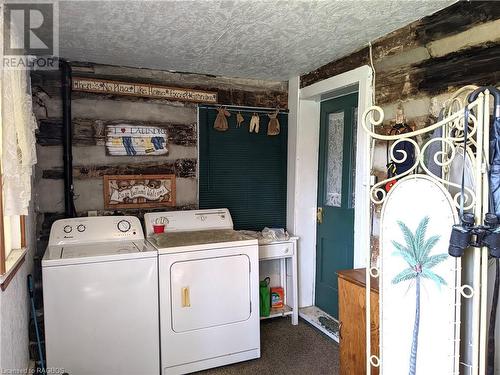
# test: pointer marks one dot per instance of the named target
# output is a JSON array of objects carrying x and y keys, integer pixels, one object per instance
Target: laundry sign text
[
  {"x": 138, "y": 130},
  {"x": 139, "y": 191},
  {"x": 101, "y": 86}
]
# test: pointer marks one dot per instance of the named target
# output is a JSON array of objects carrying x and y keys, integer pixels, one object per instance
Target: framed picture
[{"x": 139, "y": 191}]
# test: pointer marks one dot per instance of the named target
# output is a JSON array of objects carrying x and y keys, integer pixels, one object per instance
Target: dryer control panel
[
  {"x": 95, "y": 229},
  {"x": 192, "y": 220}
]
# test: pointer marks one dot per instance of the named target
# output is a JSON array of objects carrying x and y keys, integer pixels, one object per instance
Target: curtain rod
[{"x": 244, "y": 109}]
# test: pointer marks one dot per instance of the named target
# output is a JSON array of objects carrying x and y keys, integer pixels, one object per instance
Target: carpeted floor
[{"x": 290, "y": 350}]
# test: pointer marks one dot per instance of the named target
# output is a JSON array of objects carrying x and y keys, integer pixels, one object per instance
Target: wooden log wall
[
  {"x": 435, "y": 55},
  {"x": 420, "y": 65},
  {"x": 92, "y": 112}
]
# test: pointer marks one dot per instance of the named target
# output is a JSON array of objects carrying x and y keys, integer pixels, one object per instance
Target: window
[
  {"x": 12, "y": 244},
  {"x": 12, "y": 233},
  {"x": 242, "y": 171}
]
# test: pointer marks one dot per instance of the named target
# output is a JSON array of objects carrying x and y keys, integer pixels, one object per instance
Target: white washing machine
[
  {"x": 100, "y": 292},
  {"x": 208, "y": 285}
]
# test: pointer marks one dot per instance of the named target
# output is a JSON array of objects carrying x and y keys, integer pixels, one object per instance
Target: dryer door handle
[{"x": 185, "y": 297}]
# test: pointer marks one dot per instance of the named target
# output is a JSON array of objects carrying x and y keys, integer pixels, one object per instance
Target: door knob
[{"x": 319, "y": 215}]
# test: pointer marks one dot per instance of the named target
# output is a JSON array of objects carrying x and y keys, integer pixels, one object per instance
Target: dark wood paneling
[
  {"x": 185, "y": 167},
  {"x": 334, "y": 68},
  {"x": 456, "y": 18},
  {"x": 477, "y": 65},
  {"x": 180, "y": 167},
  {"x": 85, "y": 131},
  {"x": 400, "y": 40}
]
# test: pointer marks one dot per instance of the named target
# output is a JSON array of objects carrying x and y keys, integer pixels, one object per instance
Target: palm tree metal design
[{"x": 416, "y": 253}]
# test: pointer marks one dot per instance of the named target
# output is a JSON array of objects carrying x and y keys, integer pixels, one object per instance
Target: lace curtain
[{"x": 18, "y": 140}]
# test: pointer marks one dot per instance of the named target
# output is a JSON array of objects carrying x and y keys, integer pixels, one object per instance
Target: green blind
[{"x": 244, "y": 172}]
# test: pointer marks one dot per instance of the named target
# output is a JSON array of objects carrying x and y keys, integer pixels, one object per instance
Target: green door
[{"x": 336, "y": 174}]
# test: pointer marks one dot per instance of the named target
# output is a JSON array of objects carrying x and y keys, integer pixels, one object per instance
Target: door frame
[{"x": 303, "y": 149}]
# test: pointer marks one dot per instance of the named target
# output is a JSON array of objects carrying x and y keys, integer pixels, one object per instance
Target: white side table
[{"x": 286, "y": 253}]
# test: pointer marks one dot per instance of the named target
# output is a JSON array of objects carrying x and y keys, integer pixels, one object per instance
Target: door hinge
[{"x": 319, "y": 215}]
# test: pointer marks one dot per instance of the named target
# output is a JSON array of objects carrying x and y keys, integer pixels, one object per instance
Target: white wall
[
  {"x": 306, "y": 169},
  {"x": 14, "y": 314}
]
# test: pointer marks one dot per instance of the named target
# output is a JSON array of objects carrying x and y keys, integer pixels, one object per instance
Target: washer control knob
[
  {"x": 123, "y": 226},
  {"x": 67, "y": 228},
  {"x": 81, "y": 228}
]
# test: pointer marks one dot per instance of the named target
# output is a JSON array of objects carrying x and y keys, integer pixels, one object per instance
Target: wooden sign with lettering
[
  {"x": 139, "y": 191},
  {"x": 102, "y": 86},
  {"x": 136, "y": 140}
]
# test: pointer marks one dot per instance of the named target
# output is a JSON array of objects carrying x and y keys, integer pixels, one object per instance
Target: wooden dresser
[{"x": 352, "y": 319}]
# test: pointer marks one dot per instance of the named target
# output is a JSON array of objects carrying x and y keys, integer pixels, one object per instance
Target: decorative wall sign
[
  {"x": 139, "y": 191},
  {"x": 134, "y": 140},
  {"x": 102, "y": 86}
]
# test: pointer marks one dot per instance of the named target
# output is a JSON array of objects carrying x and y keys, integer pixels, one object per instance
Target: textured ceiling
[{"x": 253, "y": 39}]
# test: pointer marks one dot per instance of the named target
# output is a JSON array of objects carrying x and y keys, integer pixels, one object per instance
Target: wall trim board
[
  {"x": 305, "y": 172},
  {"x": 105, "y": 86}
]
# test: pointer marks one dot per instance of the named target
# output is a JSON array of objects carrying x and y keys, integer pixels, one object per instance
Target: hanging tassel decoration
[
  {"x": 239, "y": 119},
  {"x": 274, "y": 125},
  {"x": 254, "y": 124},
  {"x": 221, "y": 121}
]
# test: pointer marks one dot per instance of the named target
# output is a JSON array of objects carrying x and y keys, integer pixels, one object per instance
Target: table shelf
[
  {"x": 285, "y": 252},
  {"x": 278, "y": 312}
]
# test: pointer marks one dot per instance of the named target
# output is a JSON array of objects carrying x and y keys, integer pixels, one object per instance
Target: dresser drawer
[{"x": 275, "y": 250}]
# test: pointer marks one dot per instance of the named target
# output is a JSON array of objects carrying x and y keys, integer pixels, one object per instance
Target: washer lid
[
  {"x": 97, "y": 252},
  {"x": 200, "y": 240}
]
